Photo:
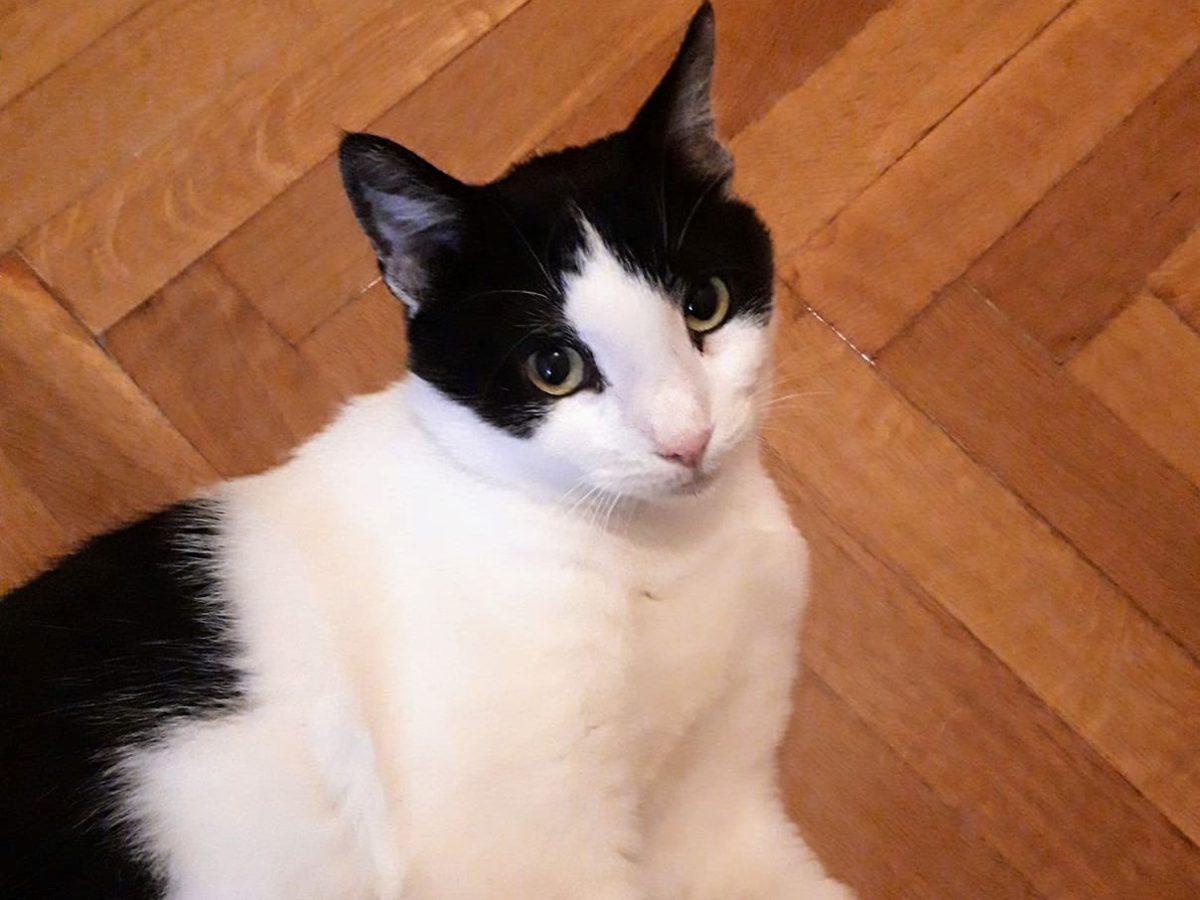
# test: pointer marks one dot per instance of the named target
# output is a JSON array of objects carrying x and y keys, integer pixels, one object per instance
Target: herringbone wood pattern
[{"x": 987, "y": 215}]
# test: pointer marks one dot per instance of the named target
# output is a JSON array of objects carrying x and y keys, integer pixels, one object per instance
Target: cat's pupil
[
  {"x": 702, "y": 304},
  {"x": 553, "y": 366}
]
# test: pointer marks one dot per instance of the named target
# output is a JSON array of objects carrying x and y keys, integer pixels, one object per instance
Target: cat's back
[{"x": 97, "y": 658}]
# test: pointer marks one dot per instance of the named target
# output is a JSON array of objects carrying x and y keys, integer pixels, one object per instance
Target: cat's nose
[{"x": 688, "y": 450}]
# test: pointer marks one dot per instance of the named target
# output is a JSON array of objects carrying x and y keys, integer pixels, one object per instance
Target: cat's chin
[
  {"x": 667, "y": 491},
  {"x": 700, "y": 483},
  {"x": 680, "y": 486}
]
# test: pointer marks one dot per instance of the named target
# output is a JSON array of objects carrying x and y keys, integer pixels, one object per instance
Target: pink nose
[{"x": 688, "y": 450}]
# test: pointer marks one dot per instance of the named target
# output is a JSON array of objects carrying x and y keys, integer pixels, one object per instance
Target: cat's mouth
[
  {"x": 696, "y": 487},
  {"x": 698, "y": 483}
]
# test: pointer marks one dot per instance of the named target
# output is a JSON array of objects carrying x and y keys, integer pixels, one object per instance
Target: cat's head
[{"x": 595, "y": 318}]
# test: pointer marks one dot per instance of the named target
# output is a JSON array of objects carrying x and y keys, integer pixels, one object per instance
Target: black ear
[
  {"x": 678, "y": 115},
  {"x": 412, "y": 212}
]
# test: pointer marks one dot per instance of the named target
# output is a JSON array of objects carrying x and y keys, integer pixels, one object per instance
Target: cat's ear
[
  {"x": 412, "y": 212},
  {"x": 678, "y": 115}
]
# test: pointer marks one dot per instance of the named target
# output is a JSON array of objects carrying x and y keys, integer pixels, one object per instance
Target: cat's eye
[
  {"x": 556, "y": 371},
  {"x": 707, "y": 306}
]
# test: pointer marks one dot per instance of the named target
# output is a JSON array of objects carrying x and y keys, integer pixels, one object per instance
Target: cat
[{"x": 522, "y": 625}]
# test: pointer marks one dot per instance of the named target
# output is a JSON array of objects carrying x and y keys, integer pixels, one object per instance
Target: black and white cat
[{"x": 520, "y": 626}]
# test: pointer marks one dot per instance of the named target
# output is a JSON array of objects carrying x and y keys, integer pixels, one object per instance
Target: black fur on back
[{"x": 121, "y": 640}]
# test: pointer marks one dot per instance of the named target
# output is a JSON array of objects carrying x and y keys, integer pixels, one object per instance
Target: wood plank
[
  {"x": 614, "y": 107},
  {"x": 922, "y": 224},
  {"x": 302, "y": 256},
  {"x": 1095, "y": 237},
  {"x": 823, "y": 144},
  {"x": 129, "y": 89},
  {"x": 75, "y": 429},
  {"x": 871, "y": 819},
  {"x": 989, "y": 749},
  {"x": 1145, "y": 367},
  {"x": 111, "y": 249},
  {"x": 765, "y": 49},
  {"x": 362, "y": 347},
  {"x": 1001, "y": 396},
  {"x": 240, "y": 393},
  {"x": 31, "y": 535},
  {"x": 38, "y": 37},
  {"x": 1177, "y": 281},
  {"x": 330, "y": 242},
  {"x": 890, "y": 475}
]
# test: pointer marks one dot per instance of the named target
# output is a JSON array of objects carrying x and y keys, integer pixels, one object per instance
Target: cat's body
[{"x": 470, "y": 641}]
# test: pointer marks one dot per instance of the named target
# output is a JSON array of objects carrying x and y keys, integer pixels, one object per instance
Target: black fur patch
[
  {"x": 105, "y": 651},
  {"x": 500, "y": 294},
  {"x": 482, "y": 267}
]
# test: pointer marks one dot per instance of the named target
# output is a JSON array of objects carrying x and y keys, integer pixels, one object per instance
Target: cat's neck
[{"x": 502, "y": 462}]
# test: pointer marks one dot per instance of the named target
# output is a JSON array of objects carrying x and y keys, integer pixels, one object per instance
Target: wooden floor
[{"x": 987, "y": 215}]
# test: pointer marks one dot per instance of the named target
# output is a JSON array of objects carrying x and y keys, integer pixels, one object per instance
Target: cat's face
[{"x": 595, "y": 319}]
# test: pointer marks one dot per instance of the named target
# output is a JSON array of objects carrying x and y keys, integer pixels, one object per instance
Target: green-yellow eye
[
  {"x": 556, "y": 371},
  {"x": 707, "y": 306}
]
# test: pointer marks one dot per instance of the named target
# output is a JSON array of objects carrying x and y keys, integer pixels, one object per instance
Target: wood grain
[
  {"x": 36, "y": 38},
  {"x": 769, "y": 47},
  {"x": 923, "y": 223},
  {"x": 116, "y": 98},
  {"x": 1145, "y": 367},
  {"x": 322, "y": 259},
  {"x": 302, "y": 256},
  {"x": 1003, "y": 398},
  {"x": 209, "y": 360},
  {"x": 871, "y": 819},
  {"x": 888, "y": 474},
  {"x": 760, "y": 60},
  {"x": 73, "y": 427},
  {"x": 30, "y": 537},
  {"x": 111, "y": 249},
  {"x": 1177, "y": 280},
  {"x": 1005, "y": 766},
  {"x": 820, "y": 146},
  {"x": 1090, "y": 243},
  {"x": 361, "y": 348},
  {"x": 984, "y": 711}
]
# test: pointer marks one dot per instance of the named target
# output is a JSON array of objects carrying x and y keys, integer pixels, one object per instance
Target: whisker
[
  {"x": 662, "y": 201},
  {"x": 601, "y": 498},
  {"x": 566, "y": 495},
  {"x": 528, "y": 246},
  {"x": 492, "y": 293},
  {"x": 584, "y": 499},
  {"x": 772, "y": 402},
  {"x": 713, "y": 182},
  {"x": 616, "y": 499}
]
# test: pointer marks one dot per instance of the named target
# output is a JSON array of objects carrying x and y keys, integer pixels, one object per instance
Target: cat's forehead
[
  {"x": 588, "y": 173},
  {"x": 657, "y": 215}
]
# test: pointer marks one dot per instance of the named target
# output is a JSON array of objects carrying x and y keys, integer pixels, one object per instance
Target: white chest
[{"x": 689, "y": 621}]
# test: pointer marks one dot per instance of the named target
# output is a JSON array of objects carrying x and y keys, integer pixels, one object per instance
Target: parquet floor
[{"x": 987, "y": 215}]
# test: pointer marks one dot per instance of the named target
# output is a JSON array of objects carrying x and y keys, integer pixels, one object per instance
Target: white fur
[{"x": 465, "y": 684}]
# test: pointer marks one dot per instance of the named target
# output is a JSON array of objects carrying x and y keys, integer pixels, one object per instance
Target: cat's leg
[{"x": 717, "y": 829}]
